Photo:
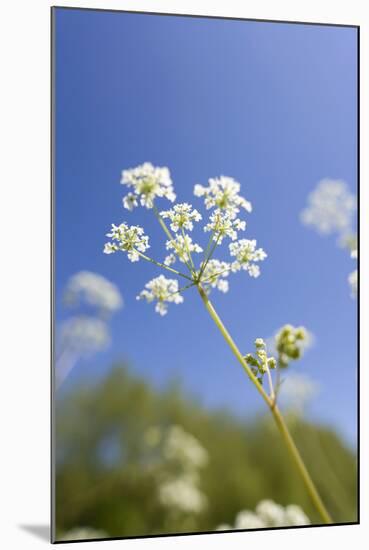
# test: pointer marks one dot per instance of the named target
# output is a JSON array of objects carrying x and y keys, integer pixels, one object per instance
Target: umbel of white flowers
[
  {"x": 221, "y": 197},
  {"x": 178, "y": 458},
  {"x": 331, "y": 208},
  {"x": 268, "y": 514}
]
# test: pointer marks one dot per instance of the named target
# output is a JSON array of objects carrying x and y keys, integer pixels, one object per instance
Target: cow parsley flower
[
  {"x": 184, "y": 448},
  {"x": 129, "y": 239},
  {"x": 83, "y": 335},
  {"x": 248, "y": 520},
  {"x": 181, "y": 216},
  {"x": 223, "y": 224},
  {"x": 170, "y": 259},
  {"x": 330, "y": 208},
  {"x": 271, "y": 513},
  {"x": 215, "y": 274},
  {"x": 147, "y": 182},
  {"x": 93, "y": 289},
  {"x": 268, "y": 514},
  {"x": 183, "y": 495},
  {"x": 223, "y": 193},
  {"x": 163, "y": 291},
  {"x": 183, "y": 246},
  {"x": 246, "y": 254}
]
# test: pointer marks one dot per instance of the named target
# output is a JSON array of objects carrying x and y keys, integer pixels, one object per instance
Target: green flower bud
[
  {"x": 251, "y": 361},
  {"x": 259, "y": 343}
]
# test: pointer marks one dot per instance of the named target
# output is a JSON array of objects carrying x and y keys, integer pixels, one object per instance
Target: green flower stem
[
  {"x": 159, "y": 264},
  {"x": 282, "y": 427},
  {"x": 270, "y": 381},
  {"x": 207, "y": 250},
  {"x": 188, "y": 251},
  {"x": 168, "y": 233},
  {"x": 182, "y": 289},
  {"x": 209, "y": 255}
]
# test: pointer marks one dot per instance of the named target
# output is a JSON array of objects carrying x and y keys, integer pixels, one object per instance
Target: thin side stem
[
  {"x": 209, "y": 255},
  {"x": 228, "y": 338},
  {"x": 159, "y": 264},
  {"x": 188, "y": 250},
  {"x": 182, "y": 289},
  {"x": 168, "y": 233},
  {"x": 270, "y": 382},
  {"x": 282, "y": 427},
  {"x": 207, "y": 250}
]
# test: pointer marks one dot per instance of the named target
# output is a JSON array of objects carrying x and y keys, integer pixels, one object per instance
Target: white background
[{"x": 25, "y": 245}]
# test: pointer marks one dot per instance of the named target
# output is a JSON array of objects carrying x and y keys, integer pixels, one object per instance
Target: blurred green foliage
[{"x": 104, "y": 480}]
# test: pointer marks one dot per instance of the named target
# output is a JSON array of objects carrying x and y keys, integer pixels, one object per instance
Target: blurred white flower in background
[
  {"x": 185, "y": 448},
  {"x": 331, "y": 208},
  {"x": 84, "y": 335},
  {"x": 297, "y": 390},
  {"x": 177, "y": 468},
  {"x": 94, "y": 290},
  {"x": 182, "y": 494},
  {"x": 78, "y": 338},
  {"x": 81, "y": 336},
  {"x": 268, "y": 514}
]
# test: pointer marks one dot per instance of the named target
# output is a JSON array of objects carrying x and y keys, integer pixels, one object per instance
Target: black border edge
[{"x": 52, "y": 268}]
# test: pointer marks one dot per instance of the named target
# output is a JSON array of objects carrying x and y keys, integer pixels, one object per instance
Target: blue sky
[{"x": 272, "y": 105}]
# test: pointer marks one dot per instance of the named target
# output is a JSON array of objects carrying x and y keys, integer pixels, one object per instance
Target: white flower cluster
[
  {"x": 246, "y": 254},
  {"x": 183, "y": 247},
  {"x": 268, "y": 514},
  {"x": 147, "y": 182},
  {"x": 94, "y": 290},
  {"x": 183, "y": 447},
  {"x": 215, "y": 274},
  {"x": 128, "y": 239},
  {"x": 163, "y": 291},
  {"x": 182, "y": 457},
  {"x": 223, "y": 224},
  {"x": 223, "y": 196},
  {"x": 223, "y": 193},
  {"x": 330, "y": 208},
  {"x": 182, "y": 494},
  {"x": 83, "y": 335},
  {"x": 181, "y": 216}
]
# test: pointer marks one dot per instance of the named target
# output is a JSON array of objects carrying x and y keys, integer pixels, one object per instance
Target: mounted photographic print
[{"x": 205, "y": 328}]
